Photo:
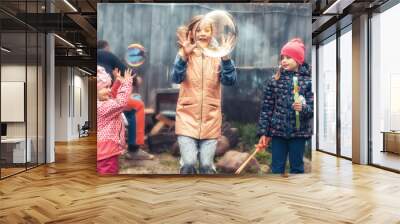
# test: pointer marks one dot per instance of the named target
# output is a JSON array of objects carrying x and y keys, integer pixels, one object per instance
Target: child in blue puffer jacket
[{"x": 287, "y": 110}]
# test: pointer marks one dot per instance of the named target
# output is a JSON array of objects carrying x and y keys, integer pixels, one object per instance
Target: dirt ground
[{"x": 165, "y": 163}]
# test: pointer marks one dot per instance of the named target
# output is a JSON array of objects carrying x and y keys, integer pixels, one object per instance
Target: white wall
[
  {"x": 33, "y": 127},
  {"x": 80, "y": 100},
  {"x": 61, "y": 103},
  {"x": 16, "y": 73},
  {"x": 71, "y": 93}
]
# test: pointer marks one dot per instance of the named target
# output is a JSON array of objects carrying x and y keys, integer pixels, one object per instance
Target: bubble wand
[
  {"x": 241, "y": 168},
  {"x": 296, "y": 99}
]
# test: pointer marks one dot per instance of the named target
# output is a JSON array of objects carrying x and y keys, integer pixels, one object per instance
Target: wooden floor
[
  {"x": 10, "y": 171},
  {"x": 70, "y": 191},
  {"x": 387, "y": 159}
]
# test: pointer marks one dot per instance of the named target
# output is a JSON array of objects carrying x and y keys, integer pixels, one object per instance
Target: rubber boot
[
  {"x": 206, "y": 170},
  {"x": 188, "y": 169}
]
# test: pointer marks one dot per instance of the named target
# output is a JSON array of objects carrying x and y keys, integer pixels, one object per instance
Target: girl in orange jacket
[{"x": 198, "y": 111}]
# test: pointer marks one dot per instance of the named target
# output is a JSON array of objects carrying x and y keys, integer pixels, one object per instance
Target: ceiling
[
  {"x": 330, "y": 15},
  {"x": 72, "y": 20}
]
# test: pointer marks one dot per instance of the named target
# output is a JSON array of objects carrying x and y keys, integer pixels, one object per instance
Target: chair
[{"x": 84, "y": 130}]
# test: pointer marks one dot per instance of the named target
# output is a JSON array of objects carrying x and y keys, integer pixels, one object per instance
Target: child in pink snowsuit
[{"x": 110, "y": 126}]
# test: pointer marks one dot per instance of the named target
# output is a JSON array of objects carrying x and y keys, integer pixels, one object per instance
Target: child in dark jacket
[{"x": 287, "y": 110}]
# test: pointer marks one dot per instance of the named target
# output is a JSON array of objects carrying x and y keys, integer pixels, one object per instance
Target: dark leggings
[{"x": 281, "y": 148}]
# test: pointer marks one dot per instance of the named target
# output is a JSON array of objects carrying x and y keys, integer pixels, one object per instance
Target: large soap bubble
[
  {"x": 135, "y": 55},
  {"x": 216, "y": 33}
]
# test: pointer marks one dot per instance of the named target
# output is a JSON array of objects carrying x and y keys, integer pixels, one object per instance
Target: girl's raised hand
[
  {"x": 185, "y": 44},
  {"x": 128, "y": 73},
  {"x": 117, "y": 74},
  {"x": 226, "y": 43}
]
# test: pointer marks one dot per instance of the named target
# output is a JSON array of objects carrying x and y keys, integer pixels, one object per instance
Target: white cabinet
[{"x": 18, "y": 149}]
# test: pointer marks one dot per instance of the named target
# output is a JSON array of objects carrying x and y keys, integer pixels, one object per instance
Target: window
[
  {"x": 327, "y": 96},
  {"x": 22, "y": 72},
  {"x": 385, "y": 88},
  {"x": 314, "y": 86},
  {"x": 346, "y": 93}
]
